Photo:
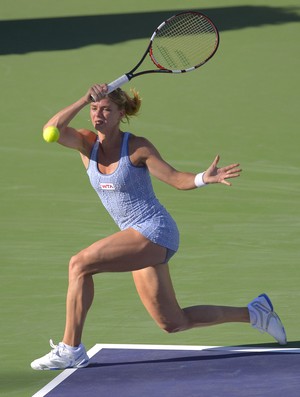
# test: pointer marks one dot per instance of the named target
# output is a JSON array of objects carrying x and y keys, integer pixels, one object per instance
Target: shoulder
[
  {"x": 139, "y": 142},
  {"x": 78, "y": 139},
  {"x": 88, "y": 139},
  {"x": 140, "y": 149},
  {"x": 88, "y": 135}
]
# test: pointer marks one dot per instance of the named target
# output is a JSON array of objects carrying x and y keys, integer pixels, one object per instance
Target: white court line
[{"x": 99, "y": 346}]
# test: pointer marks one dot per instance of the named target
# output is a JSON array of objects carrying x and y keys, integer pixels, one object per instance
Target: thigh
[
  {"x": 127, "y": 250},
  {"x": 155, "y": 288}
]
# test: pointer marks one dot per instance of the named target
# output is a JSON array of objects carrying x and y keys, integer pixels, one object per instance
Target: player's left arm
[
  {"x": 145, "y": 153},
  {"x": 163, "y": 171}
]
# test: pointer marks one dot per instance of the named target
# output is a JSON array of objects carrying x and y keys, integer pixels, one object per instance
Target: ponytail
[{"x": 123, "y": 100}]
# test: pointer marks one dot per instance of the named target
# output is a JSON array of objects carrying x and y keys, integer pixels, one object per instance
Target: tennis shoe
[
  {"x": 263, "y": 318},
  {"x": 62, "y": 357}
]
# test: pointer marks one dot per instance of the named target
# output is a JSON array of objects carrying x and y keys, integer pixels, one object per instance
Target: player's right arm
[{"x": 80, "y": 140}]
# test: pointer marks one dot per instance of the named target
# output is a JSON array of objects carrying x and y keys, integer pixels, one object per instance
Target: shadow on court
[
  {"x": 51, "y": 34},
  {"x": 117, "y": 370}
]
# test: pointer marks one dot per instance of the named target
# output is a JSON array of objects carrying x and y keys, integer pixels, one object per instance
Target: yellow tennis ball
[{"x": 51, "y": 134}]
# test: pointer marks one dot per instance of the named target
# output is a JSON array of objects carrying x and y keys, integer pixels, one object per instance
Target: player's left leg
[
  {"x": 156, "y": 291},
  {"x": 155, "y": 288}
]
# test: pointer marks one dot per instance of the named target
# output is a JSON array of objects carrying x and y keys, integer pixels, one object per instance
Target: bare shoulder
[
  {"x": 88, "y": 139},
  {"x": 81, "y": 140},
  {"x": 88, "y": 135},
  {"x": 140, "y": 149},
  {"x": 140, "y": 142}
]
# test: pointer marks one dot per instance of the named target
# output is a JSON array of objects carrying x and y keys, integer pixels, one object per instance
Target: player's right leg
[{"x": 124, "y": 251}]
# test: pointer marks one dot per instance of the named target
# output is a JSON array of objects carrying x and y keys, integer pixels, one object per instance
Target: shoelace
[
  {"x": 56, "y": 349},
  {"x": 52, "y": 344}
]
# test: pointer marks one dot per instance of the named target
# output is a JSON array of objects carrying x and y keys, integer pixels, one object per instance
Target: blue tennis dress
[{"x": 128, "y": 196}]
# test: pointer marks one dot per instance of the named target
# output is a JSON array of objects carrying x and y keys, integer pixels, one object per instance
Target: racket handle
[{"x": 115, "y": 84}]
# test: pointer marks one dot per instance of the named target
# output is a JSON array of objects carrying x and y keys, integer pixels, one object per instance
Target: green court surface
[{"x": 235, "y": 242}]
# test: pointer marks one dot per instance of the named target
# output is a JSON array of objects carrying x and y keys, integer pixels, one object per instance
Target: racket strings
[{"x": 185, "y": 41}]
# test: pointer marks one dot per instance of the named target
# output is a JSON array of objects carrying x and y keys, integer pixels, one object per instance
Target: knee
[
  {"x": 173, "y": 327},
  {"x": 76, "y": 266}
]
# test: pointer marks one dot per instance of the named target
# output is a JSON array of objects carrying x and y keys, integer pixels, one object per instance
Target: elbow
[{"x": 50, "y": 124}]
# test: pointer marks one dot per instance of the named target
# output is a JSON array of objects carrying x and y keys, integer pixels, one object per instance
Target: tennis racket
[{"x": 180, "y": 44}]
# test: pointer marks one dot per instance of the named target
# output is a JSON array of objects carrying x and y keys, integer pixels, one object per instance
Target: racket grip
[{"x": 117, "y": 83}]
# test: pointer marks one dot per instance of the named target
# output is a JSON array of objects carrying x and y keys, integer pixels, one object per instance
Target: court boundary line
[{"x": 99, "y": 346}]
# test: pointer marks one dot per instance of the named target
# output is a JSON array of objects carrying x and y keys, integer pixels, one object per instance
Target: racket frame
[{"x": 129, "y": 75}]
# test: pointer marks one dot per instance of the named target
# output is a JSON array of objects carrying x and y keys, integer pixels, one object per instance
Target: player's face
[{"x": 105, "y": 115}]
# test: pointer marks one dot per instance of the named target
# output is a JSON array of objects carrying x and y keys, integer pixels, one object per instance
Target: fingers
[
  {"x": 221, "y": 175},
  {"x": 229, "y": 175},
  {"x": 232, "y": 172},
  {"x": 229, "y": 172},
  {"x": 230, "y": 167},
  {"x": 98, "y": 92},
  {"x": 216, "y": 160},
  {"x": 232, "y": 175},
  {"x": 224, "y": 182}
]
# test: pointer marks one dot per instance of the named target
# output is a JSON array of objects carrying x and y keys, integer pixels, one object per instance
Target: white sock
[
  {"x": 72, "y": 348},
  {"x": 253, "y": 317}
]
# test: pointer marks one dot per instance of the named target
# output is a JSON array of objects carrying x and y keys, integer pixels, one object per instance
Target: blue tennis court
[{"x": 176, "y": 371}]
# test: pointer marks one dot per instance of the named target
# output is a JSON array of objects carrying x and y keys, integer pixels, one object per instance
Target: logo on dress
[{"x": 107, "y": 186}]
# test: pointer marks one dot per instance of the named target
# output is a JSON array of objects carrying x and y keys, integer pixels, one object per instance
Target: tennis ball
[{"x": 51, "y": 134}]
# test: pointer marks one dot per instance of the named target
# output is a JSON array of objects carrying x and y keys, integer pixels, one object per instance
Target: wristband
[{"x": 199, "y": 180}]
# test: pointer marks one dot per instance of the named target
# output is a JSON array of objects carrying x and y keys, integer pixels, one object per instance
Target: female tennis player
[{"x": 119, "y": 165}]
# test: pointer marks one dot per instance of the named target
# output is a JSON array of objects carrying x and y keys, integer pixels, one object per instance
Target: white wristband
[{"x": 199, "y": 180}]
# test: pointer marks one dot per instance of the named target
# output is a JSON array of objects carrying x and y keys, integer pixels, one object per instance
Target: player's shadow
[
  {"x": 199, "y": 357},
  {"x": 63, "y": 33},
  {"x": 211, "y": 354},
  {"x": 290, "y": 345}
]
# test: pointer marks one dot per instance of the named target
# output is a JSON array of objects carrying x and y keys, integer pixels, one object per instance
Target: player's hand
[
  {"x": 213, "y": 174},
  {"x": 96, "y": 92}
]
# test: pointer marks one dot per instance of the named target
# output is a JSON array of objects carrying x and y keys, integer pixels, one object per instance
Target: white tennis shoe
[
  {"x": 62, "y": 357},
  {"x": 263, "y": 318}
]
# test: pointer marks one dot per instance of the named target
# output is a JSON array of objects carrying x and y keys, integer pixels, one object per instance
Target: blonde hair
[{"x": 131, "y": 105}]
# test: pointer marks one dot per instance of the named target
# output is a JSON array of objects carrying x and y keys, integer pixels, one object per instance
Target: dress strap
[
  {"x": 124, "y": 150},
  {"x": 94, "y": 153}
]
